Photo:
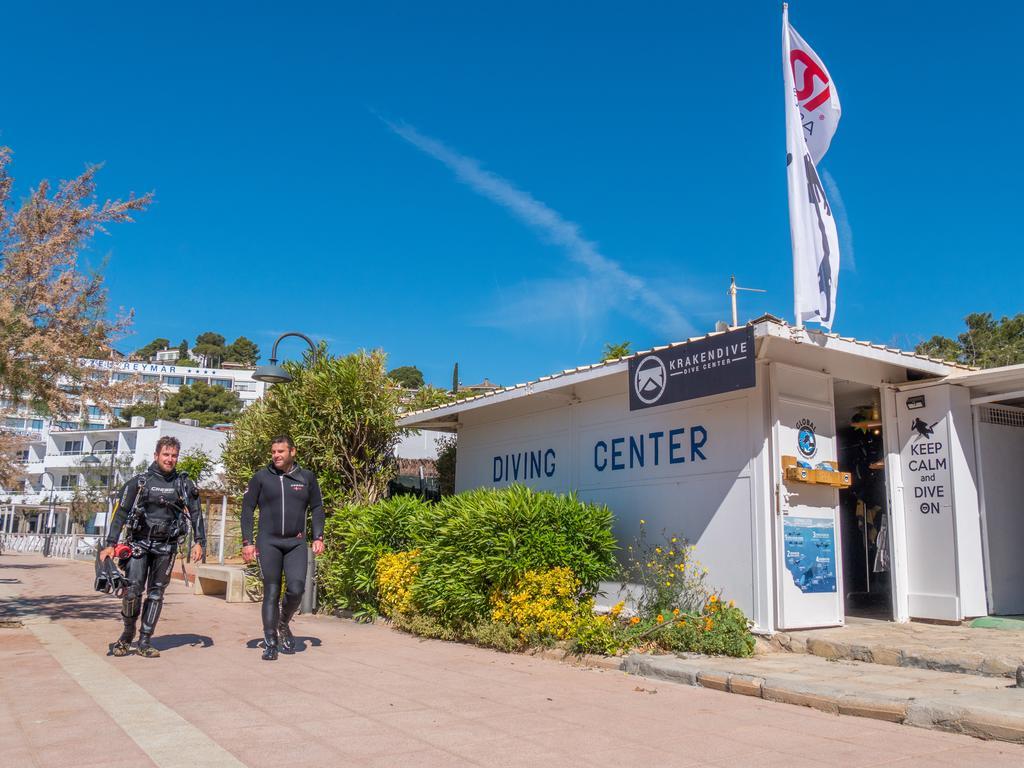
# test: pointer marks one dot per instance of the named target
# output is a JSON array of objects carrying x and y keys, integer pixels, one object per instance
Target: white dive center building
[{"x": 818, "y": 476}]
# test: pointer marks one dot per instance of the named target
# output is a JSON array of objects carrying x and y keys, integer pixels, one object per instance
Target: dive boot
[
  {"x": 270, "y": 646},
  {"x": 286, "y": 638},
  {"x": 121, "y": 648},
  {"x": 145, "y": 649}
]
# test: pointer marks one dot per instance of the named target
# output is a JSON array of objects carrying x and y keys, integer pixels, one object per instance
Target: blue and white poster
[{"x": 811, "y": 553}]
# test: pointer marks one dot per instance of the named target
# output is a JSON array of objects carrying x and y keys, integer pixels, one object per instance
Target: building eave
[{"x": 445, "y": 418}]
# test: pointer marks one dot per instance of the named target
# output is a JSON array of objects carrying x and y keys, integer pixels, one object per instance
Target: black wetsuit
[
  {"x": 283, "y": 498},
  {"x": 170, "y": 505}
]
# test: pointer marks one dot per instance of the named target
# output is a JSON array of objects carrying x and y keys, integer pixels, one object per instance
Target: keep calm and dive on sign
[{"x": 710, "y": 366}]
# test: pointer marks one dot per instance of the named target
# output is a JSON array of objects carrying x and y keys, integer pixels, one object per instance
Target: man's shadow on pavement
[
  {"x": 166, "y": 642},
  {"x": 300, "y": 643}
]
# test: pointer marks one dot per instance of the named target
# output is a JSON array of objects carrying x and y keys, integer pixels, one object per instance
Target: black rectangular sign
[{"x": 699, "y": 368}]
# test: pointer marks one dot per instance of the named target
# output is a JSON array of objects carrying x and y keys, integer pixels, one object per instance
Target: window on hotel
[
  {"x": 72, "y": 446},
  {"x": 150, "y": 377},
  {"x": 67, "y": 482},
  {"x": 193, "y": 379},
  {"x": 94, "y": 410},
  {"x": 36, "y": 424},
  {"x": 245, "y": 386},
  {"x": 122, "y": 376},
  {"x": 173, "y": 381},
  {"x": 225, "y": 383}
]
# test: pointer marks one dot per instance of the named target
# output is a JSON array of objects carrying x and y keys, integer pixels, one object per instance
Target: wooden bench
[{"x": 227, "y": 580}]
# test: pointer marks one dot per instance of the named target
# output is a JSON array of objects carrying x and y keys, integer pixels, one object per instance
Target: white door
[{"x": 808, "y": 564}]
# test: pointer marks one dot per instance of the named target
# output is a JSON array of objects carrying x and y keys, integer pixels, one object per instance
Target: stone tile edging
[
  {"x": 922, "y": 712},
  {"x": 957, "y": 660}
]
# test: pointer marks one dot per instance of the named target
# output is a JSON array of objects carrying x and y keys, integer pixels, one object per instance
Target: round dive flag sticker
[
  {"x": 806, "y": 440},
  {"x": 650, "y": 380}
]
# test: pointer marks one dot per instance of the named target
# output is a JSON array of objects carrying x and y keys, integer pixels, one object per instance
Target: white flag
[{"x": 812, "y": 115}]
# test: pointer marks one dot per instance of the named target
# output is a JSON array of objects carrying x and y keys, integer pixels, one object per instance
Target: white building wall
[
  {"x": 1001, "y": 454},
  {"x": 687, "y": 469}
]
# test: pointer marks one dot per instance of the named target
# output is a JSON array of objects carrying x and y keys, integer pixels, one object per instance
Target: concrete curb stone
[
  {"x": 958, "y": 653},
  {"x": 933, "y": 712}
]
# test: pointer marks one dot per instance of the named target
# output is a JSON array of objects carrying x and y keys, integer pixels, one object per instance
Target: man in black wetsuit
[
  {"x": 159, "y": 506},
  {"x": 283, "y": 491}
]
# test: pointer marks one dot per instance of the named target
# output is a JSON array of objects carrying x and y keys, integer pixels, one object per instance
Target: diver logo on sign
[
  {"x": 806, "y": 439},
  {"x": 649, "y": 380}
]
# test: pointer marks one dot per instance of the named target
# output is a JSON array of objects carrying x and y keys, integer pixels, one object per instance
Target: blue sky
[{"x": 510, "y": 185}]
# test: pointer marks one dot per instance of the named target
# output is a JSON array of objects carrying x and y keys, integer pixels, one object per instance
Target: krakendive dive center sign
[{"x": 710, "y": 366}]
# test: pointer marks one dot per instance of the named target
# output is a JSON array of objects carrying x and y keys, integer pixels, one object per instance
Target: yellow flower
[
  {"x": 660, "y": 618},
  {"x": 642, "y": 521},
  {"x": 668, "y": 583},
  {"x": 732, "y": 603},
  {"x": 713, "y": 599},
  {"x": 708, "y": 625},
  {"x": 674, "y": 539},
  {"x": 671, "y": 554},
  {"x": 635, "y": 620},
  {"x": 658, "y": 550},
  {"x": 675, "y": 611}
]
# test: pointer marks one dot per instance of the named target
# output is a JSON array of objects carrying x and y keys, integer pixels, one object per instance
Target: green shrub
[
  {"x": 476, "y": 542},
  {"x": 720, "y": 630},
  {"x": 602, "y": 635},
  {"x": 543, "y": 606},
  {"x": 668, "y": 572},
  {"x": 491, "y": 634},
  {"x": 355, "y": 538}
]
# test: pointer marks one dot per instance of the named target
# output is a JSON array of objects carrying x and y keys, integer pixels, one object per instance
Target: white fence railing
[{"x": 66, "y": 546}]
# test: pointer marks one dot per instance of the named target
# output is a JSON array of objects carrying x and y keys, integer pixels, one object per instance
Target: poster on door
[{"x": 811, "y": 553}]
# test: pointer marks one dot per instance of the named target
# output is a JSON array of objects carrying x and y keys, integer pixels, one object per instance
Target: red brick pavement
[{"x": 364, "y": 695}]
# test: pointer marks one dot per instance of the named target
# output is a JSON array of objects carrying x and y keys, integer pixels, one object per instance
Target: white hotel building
[{"x": 65, "y": 457}]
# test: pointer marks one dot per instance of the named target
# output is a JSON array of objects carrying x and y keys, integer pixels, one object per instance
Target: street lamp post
[
  {"x": 276, "y": 374},
  {"x": 49, "y": 514},
  {"x": 92, "y": 460}
]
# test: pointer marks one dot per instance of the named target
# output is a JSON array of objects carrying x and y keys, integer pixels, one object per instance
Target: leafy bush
[
  {"x": 719, "y": 629},
  {"x": 670, "y": 576},
  {"x": 355, "y": 540},
  {"x": 341, "y": 412},
  {"x": 491, "y": 634},
  {"x": 395, "y": 574},
  {"x": 607, "y": 635},
  {"x": 543, "y": 605},
  {"x": 485, "y": 540}
]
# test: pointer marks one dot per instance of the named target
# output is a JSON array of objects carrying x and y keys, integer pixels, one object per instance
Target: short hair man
[
  {"x": 158, "y": 505},
  {"x": 283, "y": 491}
]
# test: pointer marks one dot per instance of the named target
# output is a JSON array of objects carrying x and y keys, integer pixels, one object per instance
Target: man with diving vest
[{"x": 155, "y": 509}]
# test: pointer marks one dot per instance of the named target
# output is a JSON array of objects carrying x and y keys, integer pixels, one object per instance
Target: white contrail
[
  {"x": 659, "y": 312},
  {"x": 847, "y": 260}
]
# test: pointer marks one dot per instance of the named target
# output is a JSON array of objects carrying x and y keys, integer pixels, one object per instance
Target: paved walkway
[
  {"x": 969, "y": 650},
  {"x": 364, "y": 695}
]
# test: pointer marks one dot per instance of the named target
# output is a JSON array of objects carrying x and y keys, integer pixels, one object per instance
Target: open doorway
[{"x": 863, "y": 513}]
